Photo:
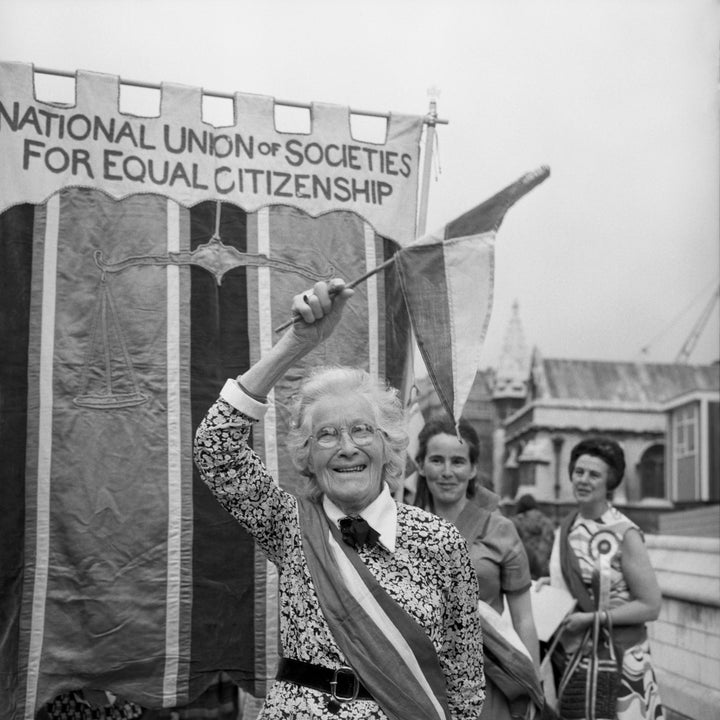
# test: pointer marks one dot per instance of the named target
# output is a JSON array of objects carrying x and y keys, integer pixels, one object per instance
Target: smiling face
[
  {"x": 349, "y": 474},
  {"x": 448, "y": 470},
  {"x": 590, "y": 484}
]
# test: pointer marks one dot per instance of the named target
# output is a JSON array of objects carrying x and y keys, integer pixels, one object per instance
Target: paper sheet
[{"x": 550, "y": 605}]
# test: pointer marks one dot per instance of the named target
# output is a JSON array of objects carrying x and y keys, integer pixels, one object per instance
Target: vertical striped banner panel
[
  {"x": 104, "y": 576},
  {"x": 120, "y": 570},
  {"x": 222, "y": 632},
  {"x": 16, "y": 248},
  {"x": 266, "y": 609}
]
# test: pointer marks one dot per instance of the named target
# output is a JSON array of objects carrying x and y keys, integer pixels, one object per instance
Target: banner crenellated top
[{"x": 50, "y": 146}]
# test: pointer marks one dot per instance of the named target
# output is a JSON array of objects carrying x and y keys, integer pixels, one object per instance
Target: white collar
[{"x": 381, "y": 514}]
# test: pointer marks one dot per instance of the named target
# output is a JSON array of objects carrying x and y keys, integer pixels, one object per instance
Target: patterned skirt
[{"x": 639, "y": 698}]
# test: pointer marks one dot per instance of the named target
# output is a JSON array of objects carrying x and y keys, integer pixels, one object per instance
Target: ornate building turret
[
  {"x": 509, "y": 394},
  {"x": 511, "y": 376}
]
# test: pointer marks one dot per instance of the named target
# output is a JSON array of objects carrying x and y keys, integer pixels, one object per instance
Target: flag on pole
[{"x": 447, "y": 283}]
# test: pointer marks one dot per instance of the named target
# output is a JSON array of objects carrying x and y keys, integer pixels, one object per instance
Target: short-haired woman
[
  {"x": 447, "y": 485},
  {"x": 599, "y": 555}
]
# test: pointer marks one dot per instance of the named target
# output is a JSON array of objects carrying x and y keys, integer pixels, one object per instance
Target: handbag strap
[
  {"x": 591, "y": 694},
  {"x": 608, "y": 631},
  {"x": 556, "y": 639},
  {"x": 595, "y": 635}
]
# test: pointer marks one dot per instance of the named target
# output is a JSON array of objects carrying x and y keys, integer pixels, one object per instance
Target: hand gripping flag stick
[
  {"x": 333, "y": 291},
  {"x": 446, "y": 279}
]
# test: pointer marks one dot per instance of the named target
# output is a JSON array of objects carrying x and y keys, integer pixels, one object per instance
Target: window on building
[
  {"x": 714, "y": 451},
  {"x": 685, "y": 435},
  {"x": 685, "y": 431},
  {"x": 510, "y": 479},
  {"x": 651, "y": 471},
  {"x": 526, "y": 474}
]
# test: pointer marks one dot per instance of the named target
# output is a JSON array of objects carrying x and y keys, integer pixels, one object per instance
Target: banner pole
[
  {"x": 408, "y": 390},
  {"x": 430, "y": 122}
]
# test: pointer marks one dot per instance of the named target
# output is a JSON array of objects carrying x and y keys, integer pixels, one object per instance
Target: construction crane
[{"x": 689, "y": 345}]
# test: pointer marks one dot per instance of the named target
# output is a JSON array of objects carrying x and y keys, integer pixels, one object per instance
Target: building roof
[{"x": 625, "y": 382}]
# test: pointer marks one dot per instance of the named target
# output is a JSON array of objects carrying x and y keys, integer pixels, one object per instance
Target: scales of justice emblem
[{"x": 108, "y": 380}]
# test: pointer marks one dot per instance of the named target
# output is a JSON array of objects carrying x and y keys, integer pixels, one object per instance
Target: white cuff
[{"x": 241, "y": 401}]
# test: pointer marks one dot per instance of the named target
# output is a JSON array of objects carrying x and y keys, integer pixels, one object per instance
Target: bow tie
[{"x": 356, "y": 532}]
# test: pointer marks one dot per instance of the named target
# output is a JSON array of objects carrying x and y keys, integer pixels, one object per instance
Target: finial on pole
[{"x": 433, "y": 93}]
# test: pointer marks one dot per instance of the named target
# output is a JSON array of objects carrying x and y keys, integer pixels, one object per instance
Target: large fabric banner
[
  {"x": 125, "y": 303},
  {"x": 46, "y": 148}
]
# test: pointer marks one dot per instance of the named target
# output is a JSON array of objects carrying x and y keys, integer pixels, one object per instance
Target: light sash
[
  {"x": 508, "y": 666},
  {"x": 386, "y": 647}
]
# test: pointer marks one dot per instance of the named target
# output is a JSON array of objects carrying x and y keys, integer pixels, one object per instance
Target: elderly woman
[
  {"x": 447, "y": 468},
  {"x": 378, "y": 601},
  {"x": 600, "y": 557}
]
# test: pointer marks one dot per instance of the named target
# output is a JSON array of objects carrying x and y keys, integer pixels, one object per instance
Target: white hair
[{"x": 339, "y": 382}]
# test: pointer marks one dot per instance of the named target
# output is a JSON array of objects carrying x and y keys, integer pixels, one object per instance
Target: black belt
[{"x": 342, "y": 684}]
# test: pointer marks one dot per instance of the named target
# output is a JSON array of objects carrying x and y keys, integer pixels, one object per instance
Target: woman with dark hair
[
  {"x": 600, "y": 557},
  {"x": 378, "y": 600},
  {"x": 437, "y": 427},
  {"x": 447, "y": 485}
]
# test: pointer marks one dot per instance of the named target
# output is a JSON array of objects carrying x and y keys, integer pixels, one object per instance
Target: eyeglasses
[{"x": 328, "y": 436}]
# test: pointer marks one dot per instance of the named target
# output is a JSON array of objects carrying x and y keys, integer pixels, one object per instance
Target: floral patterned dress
[
  {"x": 639, "y": 698},
  {"x": 429, "y": 575},
  {"x": 74, "y": 706}
]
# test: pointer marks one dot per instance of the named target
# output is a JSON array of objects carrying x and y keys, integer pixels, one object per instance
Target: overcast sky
[{"x": 616, "y": 252}]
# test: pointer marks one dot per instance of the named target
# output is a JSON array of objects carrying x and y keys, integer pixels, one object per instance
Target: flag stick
[{"x": 351, "y": 284}]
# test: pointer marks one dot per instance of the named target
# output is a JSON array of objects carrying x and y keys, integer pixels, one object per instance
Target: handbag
[{"x": 590, "y": 683}]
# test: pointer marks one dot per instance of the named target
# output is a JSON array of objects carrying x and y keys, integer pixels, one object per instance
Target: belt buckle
[{"x": 344, "y": 669}]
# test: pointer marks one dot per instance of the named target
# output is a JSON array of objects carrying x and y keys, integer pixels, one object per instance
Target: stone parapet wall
[{"x": 685, "y": 640}]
